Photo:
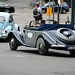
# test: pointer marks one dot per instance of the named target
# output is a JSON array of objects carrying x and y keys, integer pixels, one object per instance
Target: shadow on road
[
  {"x": 50, "y": 53},
  {"x": 3, "y": 41}
]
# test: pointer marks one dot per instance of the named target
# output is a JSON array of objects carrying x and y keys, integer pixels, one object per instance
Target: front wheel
[
  {"x": 72, "y": 53},
  {"x": 12, "y": 43},
  {"x": 41, "y": 45}
]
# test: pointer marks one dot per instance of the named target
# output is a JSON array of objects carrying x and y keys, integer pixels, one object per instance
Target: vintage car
[
  {"x": 59, "y": 36},
  {"x": 6, "y": 25},
  {"x": 6, "y": 8}
]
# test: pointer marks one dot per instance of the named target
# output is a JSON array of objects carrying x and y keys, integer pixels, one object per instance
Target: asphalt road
[{"x": 27, "y": 61}]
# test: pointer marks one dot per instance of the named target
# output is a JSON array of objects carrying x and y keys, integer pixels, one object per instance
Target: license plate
[{"x": 71, "y": 47}]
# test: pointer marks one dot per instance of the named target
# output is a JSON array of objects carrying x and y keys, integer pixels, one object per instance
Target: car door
[{"x": 31, "y": 36}]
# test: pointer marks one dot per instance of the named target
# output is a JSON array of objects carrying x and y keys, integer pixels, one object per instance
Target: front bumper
[
  {"x": 65, "y": 47},
  {"x": 3, "y": 36},
  {"x": 58, "y": 46}
]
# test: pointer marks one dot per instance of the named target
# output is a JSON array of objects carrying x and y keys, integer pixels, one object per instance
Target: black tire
[
  {"x": 41, "y": 45},
  {"x": 43, "y": 11},
  {"x": 72, "y": 53},
  {"x": 64, "y": 11},
  {"x": 12, "y": 43}
]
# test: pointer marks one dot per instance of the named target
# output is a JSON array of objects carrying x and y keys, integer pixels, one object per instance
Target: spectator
[
  {"x": 41, "y": 23},
  {"x": 37, "y": 12}
]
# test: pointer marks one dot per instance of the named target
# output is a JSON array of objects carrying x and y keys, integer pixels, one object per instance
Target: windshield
[{"x": 2, "y": 19}]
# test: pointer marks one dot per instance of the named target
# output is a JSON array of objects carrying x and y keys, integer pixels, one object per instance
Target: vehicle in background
[
  {"x": 62, "y": 8},
  {"x": 7, "y": 24},
  {"x": 6, "y": 8}
]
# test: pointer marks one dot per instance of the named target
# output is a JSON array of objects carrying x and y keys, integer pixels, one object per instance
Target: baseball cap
[{"x": 37, "y": 5}]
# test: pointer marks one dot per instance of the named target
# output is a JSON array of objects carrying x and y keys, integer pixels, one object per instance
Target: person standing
[{"x": 37, "y": 12}]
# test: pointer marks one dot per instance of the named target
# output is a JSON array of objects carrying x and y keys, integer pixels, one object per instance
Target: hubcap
[
  {"x": 41, "y": 46},
  {"x": 12, "y": 42}
]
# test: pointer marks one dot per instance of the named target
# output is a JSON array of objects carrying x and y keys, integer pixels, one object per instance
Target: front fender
[
  {"x": 49, "y": 40},
  {"x": 16, "y": 27},
  {"x": 18, "y": 36}
]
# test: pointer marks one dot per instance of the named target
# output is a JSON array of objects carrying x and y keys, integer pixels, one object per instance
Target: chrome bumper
[
  {"x": 68, "y": 47},
  {"x": 3, "y": 36},
  {"x": 59, "y": 46}
]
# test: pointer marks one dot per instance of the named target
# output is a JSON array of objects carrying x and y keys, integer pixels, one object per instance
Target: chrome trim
[
  {"x": 58, "y": 46},
  {"x": 1, "y": 35}
]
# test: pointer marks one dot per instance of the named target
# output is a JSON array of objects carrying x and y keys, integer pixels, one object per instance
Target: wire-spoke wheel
[{"x": 12, "y": 43}]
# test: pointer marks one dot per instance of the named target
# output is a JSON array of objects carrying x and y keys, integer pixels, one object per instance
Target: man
[
  {"x": 40, "y": 23},
  {"x": 37, "y": 12}
]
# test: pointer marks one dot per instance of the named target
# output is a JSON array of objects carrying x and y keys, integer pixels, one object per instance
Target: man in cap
[{"x": 37, "y": 12}]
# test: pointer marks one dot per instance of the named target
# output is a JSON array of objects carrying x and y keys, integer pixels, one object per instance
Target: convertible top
[{"x": 55, "y": 26}]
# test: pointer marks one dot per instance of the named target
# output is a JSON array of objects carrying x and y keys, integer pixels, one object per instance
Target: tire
[
  {"x": 12, "y": 43},
  {"x": 43, "y": 49},
  {"x": 43, "y": 11},
  {"x": 7, "y": 11},
  {"x": 72, "y": 53},
  {"x": 64, "y": 11}
]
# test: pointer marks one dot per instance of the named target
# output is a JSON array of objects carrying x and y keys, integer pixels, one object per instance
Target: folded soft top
[{"x": 55, "y": 26}]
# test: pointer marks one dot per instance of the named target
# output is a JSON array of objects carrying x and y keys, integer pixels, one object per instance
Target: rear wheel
[
  {"x": 12, "y": 43},
  {"x": 43, "y": 49},
  {"x": 72, "y": 53},
  {"x": 43, "y": 11},
  {"x": 64, "y": 11}
]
